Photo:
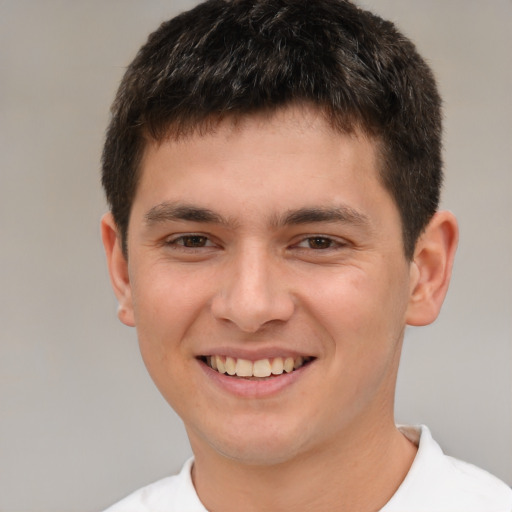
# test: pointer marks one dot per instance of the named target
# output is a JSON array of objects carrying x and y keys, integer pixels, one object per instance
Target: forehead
[
  {"x": 289, "y": 159},
  {"x": 296, "y": 119}
]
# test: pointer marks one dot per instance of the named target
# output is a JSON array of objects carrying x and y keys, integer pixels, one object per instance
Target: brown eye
[
  {"x": 193, "y": 241},
  {"x": 319, "y": 242}
]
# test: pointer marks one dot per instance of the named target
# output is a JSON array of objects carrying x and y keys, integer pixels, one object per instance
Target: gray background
[{"x": 81, "y": 424}]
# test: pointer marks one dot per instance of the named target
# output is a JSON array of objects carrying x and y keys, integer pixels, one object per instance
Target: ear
[
  {"x": 431, "y": 268},
  {"x": 118, "y": 269}
]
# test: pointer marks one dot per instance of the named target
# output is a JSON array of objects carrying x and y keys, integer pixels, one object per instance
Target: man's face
[{"x": 267, "y": 242}]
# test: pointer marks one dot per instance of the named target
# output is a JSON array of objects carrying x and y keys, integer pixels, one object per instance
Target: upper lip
[{"x": 255, "y": 354}]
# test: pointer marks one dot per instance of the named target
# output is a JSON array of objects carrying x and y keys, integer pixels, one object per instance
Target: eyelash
[
  {"x": 332, "y": 244},
  {"x": 181, "y": 241}
]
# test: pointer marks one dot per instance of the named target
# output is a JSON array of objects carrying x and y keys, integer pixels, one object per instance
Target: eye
[
  {"x": 318, "y": 243},
  {"x": 191, "y": 241}
]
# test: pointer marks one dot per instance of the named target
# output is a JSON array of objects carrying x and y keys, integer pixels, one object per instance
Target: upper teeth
[{"x": 259, "y": 368}]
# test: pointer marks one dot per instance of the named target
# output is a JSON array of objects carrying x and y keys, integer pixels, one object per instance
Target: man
[{"x": 273, "y": 170}]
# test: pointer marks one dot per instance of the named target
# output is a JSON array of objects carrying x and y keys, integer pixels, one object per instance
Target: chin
[
  {"x": 261, "y": 445},
  {"x": 258, "y": 455}
]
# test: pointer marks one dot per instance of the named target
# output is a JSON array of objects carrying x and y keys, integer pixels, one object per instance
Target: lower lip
[{"x": 254, "y": 388}]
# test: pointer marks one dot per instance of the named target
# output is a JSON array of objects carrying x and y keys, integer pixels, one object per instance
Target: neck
[{"x": 360, "y": 470}]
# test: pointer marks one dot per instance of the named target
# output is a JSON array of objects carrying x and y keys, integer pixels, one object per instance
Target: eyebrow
[
  {"x": 343, "y": 214},
  {"x": 166, "y": 212},
  {"x": 177, "y": 211}
]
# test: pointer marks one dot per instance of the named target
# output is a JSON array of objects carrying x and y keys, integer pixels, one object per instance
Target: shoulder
[
  {"x": 171, "y": 494},
  {"x": 439, "y": 483}
]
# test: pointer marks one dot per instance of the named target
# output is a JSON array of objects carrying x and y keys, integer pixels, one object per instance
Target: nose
[{"x": 253, "y": 292}]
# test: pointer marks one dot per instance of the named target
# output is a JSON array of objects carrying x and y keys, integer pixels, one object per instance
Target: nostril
[{"x": 250, "y": 317}]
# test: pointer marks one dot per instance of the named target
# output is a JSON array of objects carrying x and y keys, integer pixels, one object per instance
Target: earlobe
[
  {"x": 118, "y": 269},
  {"x": 431, "y": 268}
]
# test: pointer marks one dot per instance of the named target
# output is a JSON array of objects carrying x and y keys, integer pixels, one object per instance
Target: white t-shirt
[{"x": 434, "y": 483}]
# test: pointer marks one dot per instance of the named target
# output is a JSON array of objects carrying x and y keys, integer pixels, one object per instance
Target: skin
[{"x": 220, "y": 262}]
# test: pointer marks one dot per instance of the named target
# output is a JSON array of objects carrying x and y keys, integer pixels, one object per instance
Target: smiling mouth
[{"x": 262, "y": 368}]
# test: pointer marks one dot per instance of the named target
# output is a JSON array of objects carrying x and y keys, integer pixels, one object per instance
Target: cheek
[
  {"x": 166, "y": 304},
  {"x": 166, "y": 308},
  {"x": 363, "y": 323},
  {"x": 342, "y": 301},
  {"x": 359, "y": 310}
]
